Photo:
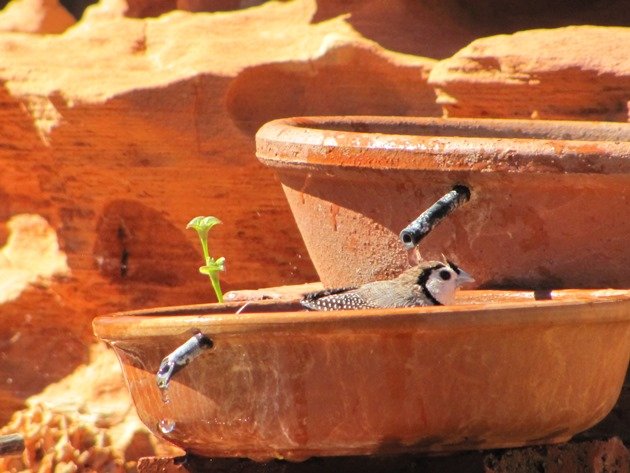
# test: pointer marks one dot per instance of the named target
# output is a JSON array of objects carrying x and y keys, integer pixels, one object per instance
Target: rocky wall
[
  {"x": 113, "y": 142},
  {"x": 118, "y": 128}
]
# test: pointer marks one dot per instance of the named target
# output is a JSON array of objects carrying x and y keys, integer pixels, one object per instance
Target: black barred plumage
[{"x": 429, "y": 283}]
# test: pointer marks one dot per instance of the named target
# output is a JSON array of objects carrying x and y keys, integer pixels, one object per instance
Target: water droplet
[
  {"x": 166, "y": 426},
  {"x": 165, "y": 397}
]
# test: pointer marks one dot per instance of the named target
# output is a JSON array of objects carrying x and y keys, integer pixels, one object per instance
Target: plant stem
[
  {"x": 216, "y": 285},
  {"x": 203, "y": 237},
  {"x": 214, "y": 277},
  {"x": 202, "y": 226}
]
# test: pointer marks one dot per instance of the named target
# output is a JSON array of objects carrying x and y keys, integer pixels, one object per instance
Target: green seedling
[{"x": 202, "y": 226}]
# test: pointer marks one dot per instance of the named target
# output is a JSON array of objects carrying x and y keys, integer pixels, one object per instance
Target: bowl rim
[
  {"x": 584, "y": 306},
  {"x": 345, "y": 141}
]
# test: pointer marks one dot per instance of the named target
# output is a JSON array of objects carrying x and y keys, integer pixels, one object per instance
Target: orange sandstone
[
  {"x": 117, "y": 140},
  {"x": 578, "y": 72},
  {"x": 35, "y": 16}
]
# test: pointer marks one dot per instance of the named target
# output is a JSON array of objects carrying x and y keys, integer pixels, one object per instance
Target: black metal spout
[
  {"x": 420, "y": 227},
  {"x": 180, "y": 357}
]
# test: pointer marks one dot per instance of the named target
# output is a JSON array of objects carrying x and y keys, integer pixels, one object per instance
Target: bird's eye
[{"x": 445, "y": 275}]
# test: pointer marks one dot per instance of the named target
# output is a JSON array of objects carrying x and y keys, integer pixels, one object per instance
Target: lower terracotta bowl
[{"x": 500, "y": 369}]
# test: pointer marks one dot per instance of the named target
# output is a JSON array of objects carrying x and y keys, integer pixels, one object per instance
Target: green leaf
[
  {"x": 203, "y": 224},
  {"x": 213, "y": 266}
]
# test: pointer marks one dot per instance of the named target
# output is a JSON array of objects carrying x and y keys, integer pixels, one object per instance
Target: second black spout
[{"x": 420, "y": 227}]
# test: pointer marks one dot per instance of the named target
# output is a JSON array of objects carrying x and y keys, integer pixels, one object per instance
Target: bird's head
[{"x": 440, "y": 280}]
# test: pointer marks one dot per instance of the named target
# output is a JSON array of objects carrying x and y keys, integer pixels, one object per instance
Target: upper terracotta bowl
[{"x": 550, "y": 202}]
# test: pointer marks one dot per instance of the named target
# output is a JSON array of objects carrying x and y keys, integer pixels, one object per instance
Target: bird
[{"x": 430, "y": 283}]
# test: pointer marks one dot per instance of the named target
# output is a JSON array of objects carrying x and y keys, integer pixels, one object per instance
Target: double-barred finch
[{"x": 429, "y": 283}]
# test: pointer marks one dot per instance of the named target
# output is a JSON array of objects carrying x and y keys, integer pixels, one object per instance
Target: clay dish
[
  {"x": 550, "y": 202},
  {"x": 500, "y": 369}
]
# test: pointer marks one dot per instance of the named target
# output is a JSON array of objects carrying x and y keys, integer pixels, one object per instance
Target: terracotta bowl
[
  {"x": 550, "y": 202},
  {"x": 501, "y": 369}
]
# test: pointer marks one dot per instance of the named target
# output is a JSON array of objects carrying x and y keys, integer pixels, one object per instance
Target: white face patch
[{"x": 442, "y": 284}]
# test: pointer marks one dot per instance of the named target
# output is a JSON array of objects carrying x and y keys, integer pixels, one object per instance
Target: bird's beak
[{"x": 463, "y": 277}]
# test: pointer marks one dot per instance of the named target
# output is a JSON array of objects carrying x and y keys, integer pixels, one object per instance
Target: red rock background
[{"x": 120, "y": 121}]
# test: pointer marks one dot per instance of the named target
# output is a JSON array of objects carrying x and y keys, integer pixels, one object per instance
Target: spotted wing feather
[{"x": 335, "y": 299}]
